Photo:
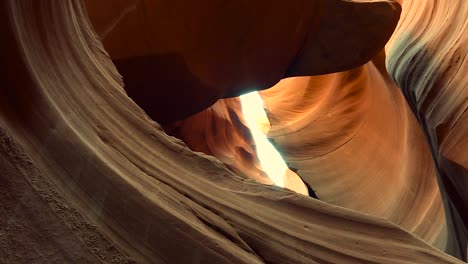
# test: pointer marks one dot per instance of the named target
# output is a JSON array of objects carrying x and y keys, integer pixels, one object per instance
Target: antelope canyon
[{"x": 247, "y": 131}]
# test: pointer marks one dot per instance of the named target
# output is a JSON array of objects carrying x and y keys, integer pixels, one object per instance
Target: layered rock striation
[{"x": 86, "y": 176}]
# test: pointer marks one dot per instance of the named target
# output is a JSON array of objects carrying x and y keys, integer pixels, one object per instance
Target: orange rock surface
[{"x": 88, "y": 174}]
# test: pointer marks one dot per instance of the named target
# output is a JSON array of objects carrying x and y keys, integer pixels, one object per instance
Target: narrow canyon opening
[{"x": 271, "y": 161}]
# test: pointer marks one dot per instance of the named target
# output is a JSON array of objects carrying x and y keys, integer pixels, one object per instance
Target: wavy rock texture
[
  {"x": 87, "y": 177},
  {"x": 428, "y": 61}
]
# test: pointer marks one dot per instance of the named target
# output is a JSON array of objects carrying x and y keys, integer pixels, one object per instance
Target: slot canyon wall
[{"x": 86, "y": 176}]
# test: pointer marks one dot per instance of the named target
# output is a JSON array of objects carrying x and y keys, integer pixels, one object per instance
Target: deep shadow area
[
  {"x": 452, "y": 176},
  {"x": 164, "y": 87}
]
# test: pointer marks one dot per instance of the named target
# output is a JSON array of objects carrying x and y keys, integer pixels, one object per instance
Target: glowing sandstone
[
  {"x": 87, "y": 177},
  {"x": 269, "y": 158}
]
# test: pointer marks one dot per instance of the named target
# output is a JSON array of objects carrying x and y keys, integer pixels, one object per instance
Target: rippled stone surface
[{"x": 86, "y": 176}]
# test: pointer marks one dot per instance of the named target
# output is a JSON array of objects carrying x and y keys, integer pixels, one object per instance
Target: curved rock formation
[
  {"x": 427, "y": 58},
  {"x": 223, "y": 49},
  {"x": 86, "y": 176}
]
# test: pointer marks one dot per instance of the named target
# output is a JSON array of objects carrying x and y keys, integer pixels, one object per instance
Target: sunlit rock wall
[{"x": 87, "y": 177}]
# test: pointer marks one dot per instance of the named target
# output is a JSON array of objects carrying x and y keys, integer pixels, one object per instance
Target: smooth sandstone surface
[
  {"x": 214, "y": 49},
  {"x": 87, "y": 177}
]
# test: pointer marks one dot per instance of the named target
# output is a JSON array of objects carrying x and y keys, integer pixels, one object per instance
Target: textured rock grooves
[
  {"x": 87, "y": 177},
  {"x": 427, "y": 58}
]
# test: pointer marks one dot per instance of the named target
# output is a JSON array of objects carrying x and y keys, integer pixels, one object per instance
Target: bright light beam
[{"x": 271, "y": 161}]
